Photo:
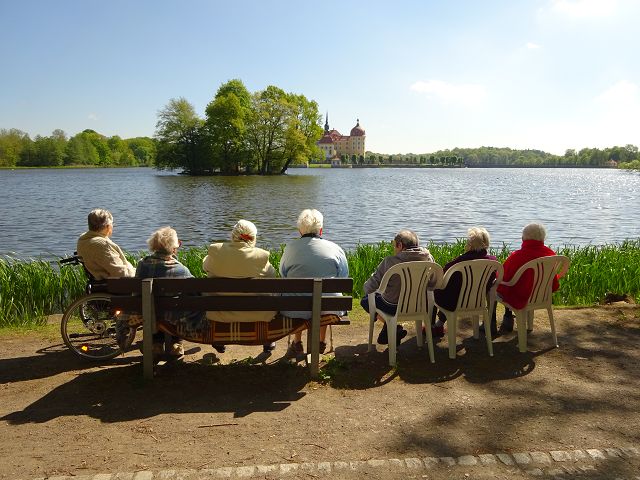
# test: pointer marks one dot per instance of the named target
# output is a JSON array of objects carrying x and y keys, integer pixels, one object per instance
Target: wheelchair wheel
[{"x": 88, "y": 328}]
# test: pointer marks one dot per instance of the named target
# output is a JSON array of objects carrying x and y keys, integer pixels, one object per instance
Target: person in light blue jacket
[{"x": 311, "y": 256}]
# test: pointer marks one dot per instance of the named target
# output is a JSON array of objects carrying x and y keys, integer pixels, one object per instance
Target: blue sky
[{"x": 420, "y": 75}]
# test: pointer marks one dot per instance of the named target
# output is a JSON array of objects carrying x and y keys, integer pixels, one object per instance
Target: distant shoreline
[{"x": 455, "y": 166}]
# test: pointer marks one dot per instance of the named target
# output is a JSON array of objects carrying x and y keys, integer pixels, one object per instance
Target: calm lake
[{"x": 43, "y": 211}]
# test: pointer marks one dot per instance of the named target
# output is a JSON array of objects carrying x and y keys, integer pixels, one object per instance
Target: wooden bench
[{"x": 148, "y": 296}]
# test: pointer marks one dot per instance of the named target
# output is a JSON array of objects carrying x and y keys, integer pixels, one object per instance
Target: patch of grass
[{"x": 330, "y": 370}]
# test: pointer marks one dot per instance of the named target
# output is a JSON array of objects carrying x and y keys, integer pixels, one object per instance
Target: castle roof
[{"x": 357, "y": 131}]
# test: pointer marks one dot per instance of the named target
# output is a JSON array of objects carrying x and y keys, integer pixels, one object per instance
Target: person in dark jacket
[{"x": 476, "y": 248}]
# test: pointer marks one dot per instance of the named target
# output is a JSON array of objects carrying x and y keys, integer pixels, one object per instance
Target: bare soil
[{"x": 61, "y": 415}]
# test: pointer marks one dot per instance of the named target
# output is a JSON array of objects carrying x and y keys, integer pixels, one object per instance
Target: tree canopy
[
  {"x": 262, "y": 132},
  {"x": 87, "y": 148}
]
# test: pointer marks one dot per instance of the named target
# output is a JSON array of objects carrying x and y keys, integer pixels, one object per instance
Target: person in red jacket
[{"x": 517, "y": 296}]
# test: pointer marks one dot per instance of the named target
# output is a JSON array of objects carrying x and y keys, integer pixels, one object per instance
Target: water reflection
[{"x": 44, "y": 211}]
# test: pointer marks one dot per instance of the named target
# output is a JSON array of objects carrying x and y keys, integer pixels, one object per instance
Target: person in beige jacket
[
  {"x": 239, "y": 258},
  {"x": 100, "y": 255}
]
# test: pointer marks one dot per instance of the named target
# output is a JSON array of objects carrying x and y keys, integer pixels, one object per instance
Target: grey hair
[
  {"x": 244, "y": 231},
  {"x": 310, "y": 221},
  {"x": 407, "y": 238},
  {"x": 98, "y": 219},
  {"x": 477, "y": 239},
  {"x": 163, "y": 240},
  {"x": 534, "y": 231}
]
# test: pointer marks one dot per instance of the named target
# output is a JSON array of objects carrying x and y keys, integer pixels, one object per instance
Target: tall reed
[{"x": 31, "y": 290}]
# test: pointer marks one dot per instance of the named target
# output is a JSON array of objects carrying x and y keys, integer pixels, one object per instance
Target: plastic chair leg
[
  {"x": 429, "y": 342},
  {"x": 419, "y": 333},
  {"x": 372, "y": 322},
  {"x": 487, "y": 333},
  {"x": 451, "y": 335},
  {"x": 475, "y": 321},
  {"x": 553, "y": 326},
  {"x": 521, "y": 323},
  {"x": 530, "y": 320},
  {"x": 391, "y": 335}
]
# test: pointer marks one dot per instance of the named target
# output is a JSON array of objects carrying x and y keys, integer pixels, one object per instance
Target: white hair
[
  {"x": 534, "y": 231},
  {"x": 244, "y": 231},
  {"x": 477, "y": 239},
  {"x": 310, "y": 221},
  {"x": 163, "y": 240}
]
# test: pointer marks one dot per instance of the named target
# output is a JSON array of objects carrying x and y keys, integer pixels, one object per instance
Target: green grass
[{"x": 31, "y": 290}]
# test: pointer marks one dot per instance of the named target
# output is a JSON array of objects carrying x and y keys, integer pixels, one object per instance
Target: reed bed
[{"x": 33, "y": 289}]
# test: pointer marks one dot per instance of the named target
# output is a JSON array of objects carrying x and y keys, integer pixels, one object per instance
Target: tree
[
  {"x": 225, "y": 126},
  {"x": 80, "y": 150},
  {"x": 178, "y": 132},
  {"x": 267, "y": 128},
  {"x": 143, "y": 150},
  {"x": 303, "y": 131},
  {"x": 43, "y": 151},
  {"x": 12, "y": 142},
  {"x": 120, "y": 153}
]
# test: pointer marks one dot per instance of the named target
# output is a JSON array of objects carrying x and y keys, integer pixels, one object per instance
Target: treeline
[
  {"x": 623, "y": 157},
  {"x": 261, "y": 133},
  {"x": 87, "y": 148}
]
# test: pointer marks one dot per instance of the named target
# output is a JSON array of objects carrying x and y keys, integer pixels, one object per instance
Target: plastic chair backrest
[
  {"x": 415, "y": 278},
  {"x": 544, "y": 271},
  {"x": 476, "y": 275}
]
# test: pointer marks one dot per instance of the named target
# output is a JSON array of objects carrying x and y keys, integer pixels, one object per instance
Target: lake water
[{"x": 42, "y": 212}]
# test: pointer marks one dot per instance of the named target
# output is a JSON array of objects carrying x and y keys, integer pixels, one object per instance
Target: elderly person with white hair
[
  {"x": 476, "y": 248},
  {"x": 162, "y": 262},
  {"x": 533, "y": 236},
  {"x": 311, "y": 256},
  {"x": 239, "y": 258},
  {"x": 100, "y": 255}
]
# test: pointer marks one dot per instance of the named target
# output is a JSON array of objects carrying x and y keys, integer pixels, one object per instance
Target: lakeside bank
[{"x": 32, "y": 290}]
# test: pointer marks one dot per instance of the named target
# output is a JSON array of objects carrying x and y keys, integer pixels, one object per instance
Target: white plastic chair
[
  {"x": 544, "y": 271},
  {"x": 474, "y": 299},
  {"x": 414, "y": 303}
]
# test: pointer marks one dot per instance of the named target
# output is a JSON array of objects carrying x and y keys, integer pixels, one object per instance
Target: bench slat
[
  {"x": 124, "y": 285},
  {"x": 252, "y": 303},
  {"x": 127, "y": 303},
  {"x": 164, "y": 286}
]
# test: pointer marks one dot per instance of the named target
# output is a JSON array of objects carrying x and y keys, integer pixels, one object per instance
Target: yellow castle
[{"x": 334, "y": 144}]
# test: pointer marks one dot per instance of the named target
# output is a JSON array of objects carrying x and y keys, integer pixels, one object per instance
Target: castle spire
[{"x": 326, "y": 123}]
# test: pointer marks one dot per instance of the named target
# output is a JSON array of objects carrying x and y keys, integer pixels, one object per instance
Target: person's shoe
[
  {"x": 437, "y": 331},
  {"x": 295, "y": 349},
  {"x": 507, "y": 324},
  {"x": 177, "y": 350},
  {"x": 400, "y": 334},
  {"x": 383, "y": 338},
  {"x": 494, "y": 331},
  {"x": 122, "y": 334},
  {"x": 219, "y": 348},
  {"x": 269, "y": 347},
  {"x": 323, "y": 347}
]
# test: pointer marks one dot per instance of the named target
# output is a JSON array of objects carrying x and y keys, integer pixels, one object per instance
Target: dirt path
[{"x": 62, "y": 416}]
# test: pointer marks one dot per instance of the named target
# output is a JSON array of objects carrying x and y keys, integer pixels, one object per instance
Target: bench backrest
[{"x": 266, "y": 293}]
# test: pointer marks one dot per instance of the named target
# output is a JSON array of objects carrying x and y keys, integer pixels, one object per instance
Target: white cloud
[
  {"x": 462, "y": 94},
  {"x": 621, "y": 96},
  {"x": 92, "y": 116},
  {"x": 584, "y": 8},
  {"x": 532, "y": 46}
]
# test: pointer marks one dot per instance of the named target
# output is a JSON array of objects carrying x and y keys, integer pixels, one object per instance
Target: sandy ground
[{"x": 60, "y": 415}]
